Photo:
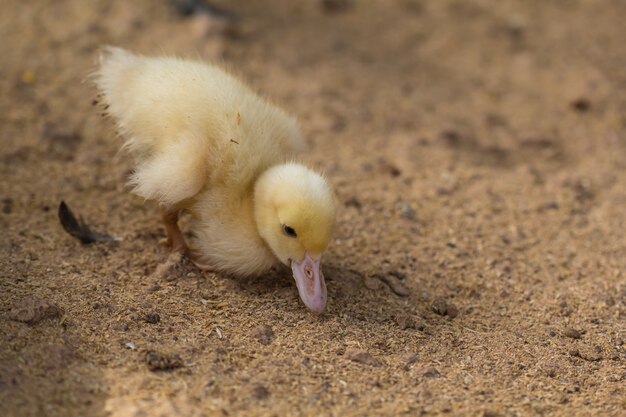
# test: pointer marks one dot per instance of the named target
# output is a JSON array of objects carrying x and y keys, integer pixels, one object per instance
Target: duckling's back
[{"x": 191, "y": 125}]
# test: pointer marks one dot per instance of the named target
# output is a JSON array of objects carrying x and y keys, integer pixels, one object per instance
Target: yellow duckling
[{"x": 205, "y": 143}]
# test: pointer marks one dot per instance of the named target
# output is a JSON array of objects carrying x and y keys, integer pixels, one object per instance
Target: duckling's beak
[{"x": 310, "y": 282}]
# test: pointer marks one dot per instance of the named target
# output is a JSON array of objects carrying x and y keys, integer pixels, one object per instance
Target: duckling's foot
[
  {"x": 175, "y": 239},
  {"x": 179, "y": 249}
]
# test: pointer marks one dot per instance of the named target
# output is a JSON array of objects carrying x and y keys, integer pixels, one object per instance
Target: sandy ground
[{"x": 478, "y": 268}]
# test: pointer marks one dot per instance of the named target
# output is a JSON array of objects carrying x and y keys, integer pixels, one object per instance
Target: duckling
[{"x": 204, "y": 143}]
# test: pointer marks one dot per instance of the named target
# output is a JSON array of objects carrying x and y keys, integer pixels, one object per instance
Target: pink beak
[{"x": 310, "y": 282}]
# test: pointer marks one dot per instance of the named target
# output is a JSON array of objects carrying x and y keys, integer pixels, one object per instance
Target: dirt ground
[{"x": 477, "y": 149}]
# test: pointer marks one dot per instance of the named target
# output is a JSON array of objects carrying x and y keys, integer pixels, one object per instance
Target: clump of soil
[
  {"x": 157, "y": 361},
  {"x": 34, "y": 310}
]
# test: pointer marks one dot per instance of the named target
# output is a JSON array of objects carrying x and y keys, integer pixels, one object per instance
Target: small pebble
[
  {"x": 353, "y": 202},
  {"x": 439, "y": 306},
  {"x": 361, "y": 356},
  {"x": 572, "y": 333},
  {"x": 152, "y": 318},
  {"x": 452, "y": 311},
  {"x": 260, "y": 392},
  {"x": 388, "y": 168},
  {"x": 121, "y": 327},
  {"x": 404, "y": 321},
  {"x": 373, "y": 284},
  {"x": 575, "y": 353},
  {"x": 163, "y": 362},
  {"x": 430, "y": 372},
  {"x": 581, "y": 104},
  {"x": 264, "y": 334},
  {"x": 551, "y": 371}
]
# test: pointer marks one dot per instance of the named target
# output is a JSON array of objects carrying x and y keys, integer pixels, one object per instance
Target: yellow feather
[{"x": 204, "y": 142}]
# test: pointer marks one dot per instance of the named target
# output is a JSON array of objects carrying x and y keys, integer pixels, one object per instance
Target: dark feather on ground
[{"x": 78, "y": 228}]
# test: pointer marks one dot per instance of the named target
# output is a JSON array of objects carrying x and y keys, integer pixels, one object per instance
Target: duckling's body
[{"x": 204, "y": 143}]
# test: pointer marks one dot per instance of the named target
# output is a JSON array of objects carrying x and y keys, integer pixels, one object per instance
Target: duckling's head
[{"x": 294, "y": 210}]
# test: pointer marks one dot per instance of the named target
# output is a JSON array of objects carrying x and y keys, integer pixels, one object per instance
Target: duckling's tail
[
  {"x": 114, "y": 77},
  {"x": 119, "y": 81}
]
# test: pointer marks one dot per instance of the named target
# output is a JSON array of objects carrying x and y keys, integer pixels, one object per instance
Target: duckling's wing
[
  {"x": 176, "y": 172},
  {"x": 152, "y": 111},
  {"x": 189, "y": 124}
]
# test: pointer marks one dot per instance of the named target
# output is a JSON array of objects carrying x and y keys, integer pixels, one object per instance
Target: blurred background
[{"x": 477, "y": 148}]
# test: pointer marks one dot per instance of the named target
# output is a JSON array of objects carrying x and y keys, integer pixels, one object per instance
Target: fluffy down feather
[{"x": 205, "y": 143}]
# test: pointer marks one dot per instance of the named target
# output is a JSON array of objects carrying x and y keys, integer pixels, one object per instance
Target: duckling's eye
[{"x": 289, "y": 231}]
